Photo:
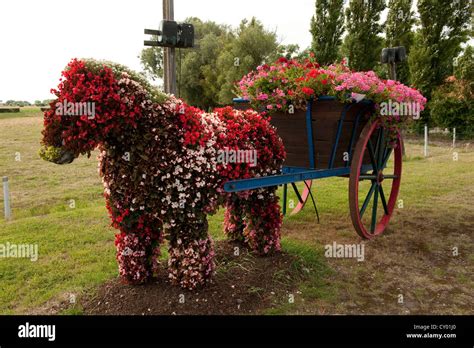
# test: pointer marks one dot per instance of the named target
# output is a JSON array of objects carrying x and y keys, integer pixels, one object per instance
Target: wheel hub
[{"x": 380, "y": 177}]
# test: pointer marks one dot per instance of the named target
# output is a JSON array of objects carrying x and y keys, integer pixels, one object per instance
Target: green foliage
[
  {"x": 197, "y": 74},
  {"x": 19, "y": 103},
  {"x": 327, "y": 27},
  {"x": 206, "y": 75},
  {"x": 464, "y": 67},
  {"x": 288, "y": 51},
  {"x": 50, "y": 153},
  {"x": 444, "y": 26},
  {"x": 398, "y": 31},
  {"x": 363, "y": 45},
  {"x": 45, "y": 102},
  {"x": 152, "y": 61},
  {"x": 452, "y": 106},
  {"x": 251, "y": 46}
]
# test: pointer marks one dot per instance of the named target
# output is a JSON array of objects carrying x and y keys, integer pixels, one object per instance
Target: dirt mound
[{"x": 243, "y": 284}]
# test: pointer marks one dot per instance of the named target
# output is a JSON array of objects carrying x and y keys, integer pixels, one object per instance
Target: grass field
[{"x": 410, "y": 269}]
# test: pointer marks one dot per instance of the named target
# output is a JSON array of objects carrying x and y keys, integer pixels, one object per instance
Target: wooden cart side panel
[{"x": 325, "y": 119}]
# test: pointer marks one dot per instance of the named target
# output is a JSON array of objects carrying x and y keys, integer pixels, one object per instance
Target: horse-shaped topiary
[{"x": 163, "y": 165}]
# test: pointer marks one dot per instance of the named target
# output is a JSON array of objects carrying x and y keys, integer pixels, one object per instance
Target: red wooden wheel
[{"x": 376, "y": 169}]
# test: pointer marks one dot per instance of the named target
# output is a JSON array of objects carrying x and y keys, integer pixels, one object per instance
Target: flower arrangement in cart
[{"x": 288, "y": 84}]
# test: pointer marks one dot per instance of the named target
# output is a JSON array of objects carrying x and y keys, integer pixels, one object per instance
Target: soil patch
[{"x": 243, "y": 284}]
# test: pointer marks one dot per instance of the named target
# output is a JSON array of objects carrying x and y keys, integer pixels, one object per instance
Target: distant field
[{"x": 414, "y": 258}]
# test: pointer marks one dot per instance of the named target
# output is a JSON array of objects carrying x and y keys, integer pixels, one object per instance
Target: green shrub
[{"x": 452, "y": 106}]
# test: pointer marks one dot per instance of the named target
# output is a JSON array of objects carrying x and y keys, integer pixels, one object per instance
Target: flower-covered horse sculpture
[{"x": 159, "y": 163}]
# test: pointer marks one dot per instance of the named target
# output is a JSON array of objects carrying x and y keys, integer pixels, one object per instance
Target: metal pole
[
  {"x": 169, "y": 56},
  {"x": 6, "y": 198},
  {"x": 426, "y": 141},
  {"x": 393, "y": 71},
  {"x": 454, "y": 137}
]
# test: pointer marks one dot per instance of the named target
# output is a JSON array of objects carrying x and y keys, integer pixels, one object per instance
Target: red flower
[
  {"x": 308, "y": 91},
  {"x": 314, "y": 73},
  {"x": 324, "y": 82},
  {"x": 282, "y": 60}
]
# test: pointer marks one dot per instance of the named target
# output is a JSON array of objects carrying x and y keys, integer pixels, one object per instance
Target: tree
[
  {"x": 251, "y": 46},
  {"x": 206, "y": 74},
  {"x": 362, "y": 44},
  {"x": 194, "y": 66},
  {"x": 452, "y": 106},
  {"x": 197, "y": 68},
  {"x": 288, "y": 51},
  {"x": 452, "y": 103},
  {"x": 152, "y": 62},
  {"x": 327, "y": 27},
  {"x": 19, "y": 103},
  {"x": 444, "y": 26},
  {"x": 464, "y": 65},
  {"x": 399, "y": 32}
]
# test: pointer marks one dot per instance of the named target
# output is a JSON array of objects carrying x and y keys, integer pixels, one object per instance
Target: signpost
[
  {"x": 171, "y": 35},
  {"x": 169, "y": 53},
  {"x": 392, "y": 56}
]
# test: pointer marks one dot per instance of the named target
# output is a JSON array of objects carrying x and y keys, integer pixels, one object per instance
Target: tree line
[
  {"x": 22, "y": 103},
  {"x": 433, "y": 36}
]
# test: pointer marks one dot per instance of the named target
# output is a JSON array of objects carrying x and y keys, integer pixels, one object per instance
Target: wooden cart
[{"x": 332, "y": 139}]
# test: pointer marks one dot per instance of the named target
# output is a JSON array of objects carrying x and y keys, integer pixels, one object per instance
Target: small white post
[
  {"x": 426, "y": 141},
  {"x": 6, "y": 198},
  {"x": 454, "y": 138}
]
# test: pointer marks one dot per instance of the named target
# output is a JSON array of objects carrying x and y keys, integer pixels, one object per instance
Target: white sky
[{"x": 38, "y": 38}]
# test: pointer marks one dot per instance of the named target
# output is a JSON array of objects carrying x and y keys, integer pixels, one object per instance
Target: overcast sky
[{"x": 38, "y": 38}]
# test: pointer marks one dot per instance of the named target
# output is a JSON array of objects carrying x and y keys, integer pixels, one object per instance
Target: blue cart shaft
[{"x": 276, "y": 180}]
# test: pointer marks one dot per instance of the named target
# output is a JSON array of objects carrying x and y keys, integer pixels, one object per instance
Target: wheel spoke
[
  {"x": 391, "y": 177},
  {"x": 374, "y": 209},
  {"x": 387, "y": 156},
  {"x": 367, "y": 199},
  {"x": 381, "y": 149},
  {"x": 368, "y": 177},
  {"x": 372, "y": 155},
  {"x": 384, "y": 201}
]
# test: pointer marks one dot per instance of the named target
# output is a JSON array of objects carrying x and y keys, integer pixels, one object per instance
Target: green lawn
[{"x": 76, "y": 252}]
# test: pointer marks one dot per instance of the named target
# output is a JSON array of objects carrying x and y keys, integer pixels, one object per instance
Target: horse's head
[{"x": 96, "y": 103}]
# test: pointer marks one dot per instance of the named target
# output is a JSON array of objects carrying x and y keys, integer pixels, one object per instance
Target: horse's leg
[
  {"x": 191, "y": 254},
  {"x": 138, "y": 246},
  {"x": 263, "y": 221},
  {"x": 234, "y": 219}
]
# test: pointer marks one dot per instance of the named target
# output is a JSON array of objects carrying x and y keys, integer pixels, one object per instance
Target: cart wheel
[{"x": 375, "y": 167}]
